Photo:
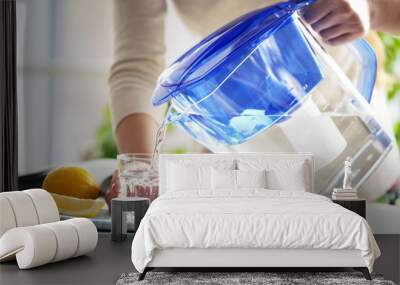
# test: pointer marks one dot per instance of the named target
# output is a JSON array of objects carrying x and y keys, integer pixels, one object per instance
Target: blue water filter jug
[{"x": 264, "y": 83}]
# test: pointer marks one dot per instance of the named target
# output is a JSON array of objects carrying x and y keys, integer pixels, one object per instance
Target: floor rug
[{"x": 244, "y": 278}]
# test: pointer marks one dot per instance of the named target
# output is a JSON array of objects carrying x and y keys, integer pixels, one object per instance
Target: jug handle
[
  {"x": 366, "y": 57},
  {"x": 368, "y": 62}
]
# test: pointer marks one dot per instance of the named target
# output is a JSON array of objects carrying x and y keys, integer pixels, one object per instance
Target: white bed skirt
[{"x": 180, "y": 257}]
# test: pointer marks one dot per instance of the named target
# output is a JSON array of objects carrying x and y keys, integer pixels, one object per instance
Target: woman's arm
[
  {"x": 138, "y": 60},
  {"x": 342, "y": 21},
  {"x": 136, "y": 133}
]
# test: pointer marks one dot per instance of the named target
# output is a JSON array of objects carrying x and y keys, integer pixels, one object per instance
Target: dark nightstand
[
  {"x": 356, "y": 206},
  {"x": 120, "y": 207}
]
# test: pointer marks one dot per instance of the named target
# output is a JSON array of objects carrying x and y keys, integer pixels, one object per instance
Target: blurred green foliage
[
  {"x": 105, "y": 143},
  {"x": 392, "y": 66},
  {"x": 397, "y": 132},
  {"x": 392, "y": 50},
  {"x": 395, "y": 90}
]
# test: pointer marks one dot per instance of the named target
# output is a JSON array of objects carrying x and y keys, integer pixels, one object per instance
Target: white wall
[
  {"x": 82, "y": 55},
  {"x": 34, "y": 51}
]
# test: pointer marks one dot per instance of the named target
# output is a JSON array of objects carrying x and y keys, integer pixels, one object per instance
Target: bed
[{"x": 246, "y": 211}]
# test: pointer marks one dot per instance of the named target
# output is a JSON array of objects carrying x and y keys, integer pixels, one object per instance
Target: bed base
[
  {"x": 363, "y": 270},
  {"x": 243, "y": 260}
]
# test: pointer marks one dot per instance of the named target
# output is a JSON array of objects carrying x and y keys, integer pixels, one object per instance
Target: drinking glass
[{"x": 136, "y": 176}]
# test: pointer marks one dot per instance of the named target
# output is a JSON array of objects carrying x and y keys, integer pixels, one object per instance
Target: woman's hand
[{"x": 339, "y": 21}]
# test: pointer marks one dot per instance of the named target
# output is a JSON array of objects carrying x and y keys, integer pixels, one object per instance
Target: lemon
[
  {"x": 72, "y": 181},
  {"x": 76, "y": 207}
]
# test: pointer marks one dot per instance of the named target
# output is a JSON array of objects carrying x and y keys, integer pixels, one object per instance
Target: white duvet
[{"x": 250, "y": 219}]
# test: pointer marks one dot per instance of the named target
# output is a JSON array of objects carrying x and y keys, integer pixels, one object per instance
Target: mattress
[{"x": 253, "y": 218}]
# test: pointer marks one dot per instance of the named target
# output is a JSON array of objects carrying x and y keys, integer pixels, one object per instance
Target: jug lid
[{"x": 213, "y": 51}]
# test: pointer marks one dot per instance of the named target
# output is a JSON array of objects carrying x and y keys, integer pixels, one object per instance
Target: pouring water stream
[{"x": 157, "y": 145}]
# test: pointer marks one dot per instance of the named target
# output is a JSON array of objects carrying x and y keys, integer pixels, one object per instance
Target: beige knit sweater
[{"x": 140, "y": 48}]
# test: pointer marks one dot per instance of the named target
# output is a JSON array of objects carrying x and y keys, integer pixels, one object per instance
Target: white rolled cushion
[
  {"x": 183, "y": 177},
  {"x": 23, "y": 208},
  {"x": 87, "y": 235},
  {"x": 251, "y": 179},
  {"x": 223, "y": 179},
  {"x": 7, "y": 218},
  {"x": 40, "y": 244},
  {"x": 33, "y": 246},
  {"x": 67, "y": 240},
  {"x": 45, "y": 205}
]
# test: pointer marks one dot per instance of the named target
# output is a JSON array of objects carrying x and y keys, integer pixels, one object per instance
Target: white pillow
[
  {"x": 223, "y": 179},
  {"x": 293, "y": 179},
  {"x": 183, "y": 177},
  {"x": 251, "y": 179},
  {"x": 286, "y": 174}
]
